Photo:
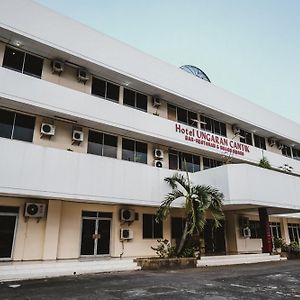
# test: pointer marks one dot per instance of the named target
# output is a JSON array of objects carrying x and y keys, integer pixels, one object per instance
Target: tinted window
[
  {"x": 129, "y": 97},
  {"x": 110, "y": 146},
  {"x": 13, "y": 59},
  {"x": 95, "y": 142},
  {"x": 141, "y": 101},
  {"x": 259, "y": 142},
  {"x": 173, "y": 160},
  {"x": 151, "y": 229},
  {"x": 112, "y": 91},
  {"x": 177, "y": 225},
  {"x": 181, "y": 115},
  {"x": 24, "y": 127},
  {"x": 6, "y": 123},
  {"x": 98, "y": 87},
  {"x": 128, "y": 150},
  {"x": 33, "y": 65},
  {"x": 246, "y": 137},
  {"x": 141, "y": 152},
  {"x": 192, "y": 118}
]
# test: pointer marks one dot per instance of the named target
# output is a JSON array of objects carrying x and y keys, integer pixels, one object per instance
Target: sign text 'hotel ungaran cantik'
[{"x": 212, "y": 140}]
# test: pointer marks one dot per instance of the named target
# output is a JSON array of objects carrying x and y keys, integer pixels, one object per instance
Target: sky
[{"x": 249, "y": 47}]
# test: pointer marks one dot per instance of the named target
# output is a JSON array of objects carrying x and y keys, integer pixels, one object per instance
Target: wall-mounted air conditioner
[
  {"x": 158, "y": 163},
  {"x": 158, "y": 154},
  {"x": 156, "y": 102},
  {"x": 57, "y": 66},
  {"x": 236, "y": 129},
  {"x": 126, "y": 234},
  {"x": 77, "y": 136},
  {"x": 247, "y": 233},
  {"x": 35, "y": 210},
  {"x": 47, "y": 129},
  {"x": 127, "y": 215},
  {"x": 82, "y": 75},
  {"x": 272, "y": 142}
]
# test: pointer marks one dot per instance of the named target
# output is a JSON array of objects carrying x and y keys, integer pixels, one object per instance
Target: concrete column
[
  {"x": 231, "y": 232},
  {"x": 266, "y": 231},
  {"x": 52, "y": 229},
  {"x": 284, "y": 230}
]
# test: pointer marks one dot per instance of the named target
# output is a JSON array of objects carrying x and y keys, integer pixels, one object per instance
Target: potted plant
[{"x": 278, "y": 244}]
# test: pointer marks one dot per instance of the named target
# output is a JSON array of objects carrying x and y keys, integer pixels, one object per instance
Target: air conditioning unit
[
  {"x": 82, "y": 75},
  {"x": 126, "y": 234},
  {"x": 158, "y": 154},
  {"x": 57, "y": 66},
  {"x": 158, "y": 163},
  {"x": 156, "y": 102},
  {"x": 77, "y": 136},
  {"x": 247, "y": 233},
  {"x": 35, "y": 210},
  {"x": 47, "y": 129},
  {"x": 272, "y": 142},
  {"x": 127, "y": 215},
  {"x": 236, "y": 129},
  {"x": 280, "y": 145}
]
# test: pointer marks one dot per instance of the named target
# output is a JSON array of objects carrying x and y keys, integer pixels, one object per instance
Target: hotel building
[{"x": 89, "y": 129}]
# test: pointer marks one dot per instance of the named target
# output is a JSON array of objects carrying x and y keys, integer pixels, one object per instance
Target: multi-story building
[{"x": 89, "y": 129}]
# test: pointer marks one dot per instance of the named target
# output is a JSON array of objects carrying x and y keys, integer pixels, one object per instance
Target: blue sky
[{"x": 249, "y": 47}]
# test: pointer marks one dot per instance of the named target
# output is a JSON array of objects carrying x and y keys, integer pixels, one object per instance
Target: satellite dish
[{"x": 195, "y": 71}]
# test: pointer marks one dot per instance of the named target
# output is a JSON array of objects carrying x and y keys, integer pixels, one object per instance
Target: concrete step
[
  {"x": 35, "y": 270},
  {"x": 237, "y": 259},
  {"x": 233, "y": 256}
]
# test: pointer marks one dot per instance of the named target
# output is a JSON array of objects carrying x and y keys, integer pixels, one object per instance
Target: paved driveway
[{"x": 280, "y": 280}]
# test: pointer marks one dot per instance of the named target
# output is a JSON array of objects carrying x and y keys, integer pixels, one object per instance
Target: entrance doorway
[
  {"x": 8, "y": 222},
  {"x": 214, "y": 238},
  {"x": 95, "y": 234}
]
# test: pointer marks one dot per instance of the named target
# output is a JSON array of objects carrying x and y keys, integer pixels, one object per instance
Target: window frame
[
  {"x": 155, "y": 227},
  {"x": 135, "y": 150},
  {"x": 210, "y": 125},
  {"x": 106, "y": 82},
  {"x": 135, "y": 99},
  {"x": 187, "y": 112},
  {"x": 261, "y": 141},
  {"x": 246, "y": 137}
]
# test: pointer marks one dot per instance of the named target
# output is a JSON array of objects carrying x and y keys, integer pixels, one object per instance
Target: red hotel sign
[{"x": 212, "y": 140}]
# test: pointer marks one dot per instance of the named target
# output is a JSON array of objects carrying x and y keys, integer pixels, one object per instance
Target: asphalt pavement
[{"x": 279, "y": 280}]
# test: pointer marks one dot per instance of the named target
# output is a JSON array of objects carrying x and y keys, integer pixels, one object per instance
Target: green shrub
[
  {"x": 264, "y": 163},
  {"x": 164, "y": 249},
  {"x": 279, "y": 243}
]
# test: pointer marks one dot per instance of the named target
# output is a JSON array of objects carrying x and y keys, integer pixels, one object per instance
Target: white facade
[{"x": 75, "y": 181}]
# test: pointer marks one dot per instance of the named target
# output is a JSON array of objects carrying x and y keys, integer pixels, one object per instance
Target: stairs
[
  {"x": 225, "y": 260},
  {"x": 41, "y": 269}
]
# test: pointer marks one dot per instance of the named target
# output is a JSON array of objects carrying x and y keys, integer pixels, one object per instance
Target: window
[
  {"x": 105, "y": 89},
  {"x": 134, "y": 151},
  {"x": 102, "y": 144},
  {"x": 16, "y": 126},
  {"x": 182, "y": 116},
  {"x": 209, "y": 163},
  {"x": 275, "y": 230},
  {"x": 245, "y": 137},
  {"x": 177, "y": 227},
  {"x": 286, "y": 151},
  {"x": 183, "y": 161},
  {"x": 152, "y": 229},
  {"x": 23, "y": 62},
  {"x": 213, "y": 126},
  {"x": 296, "y": 154},
  {"x": 294, "y": 232},
  {"x": 135, "y": 99},
  {"x": 255, "y": 230},
  {"x": 259, "y": 142}
]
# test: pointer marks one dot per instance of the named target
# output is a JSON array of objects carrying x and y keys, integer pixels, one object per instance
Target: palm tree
[{"x": 198, "y": 199}]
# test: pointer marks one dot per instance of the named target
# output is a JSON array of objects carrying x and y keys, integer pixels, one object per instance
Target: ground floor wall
[{"x": 58, "y": 235}]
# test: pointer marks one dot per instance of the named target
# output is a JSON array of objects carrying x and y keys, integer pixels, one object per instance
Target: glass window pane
[
  {"x": 223, "y": 129},
  {"x": 33, "y": 65},
  {"x": 6, "y": 123},
  {"x": 177, "y": 225},
  {"x": 128, "y": 150},
  {"x": 192, "y": 119},
  {"x": 182, "y": 115},
  {"x": 141, "y": 101},
  {"x": 113, "y": 91},
  {"x": 98, "y": 87},
  {"x": 217, "y": 127},
  {"x": 147, "y": 226},
  {"x": 206, "y": 163},
  {"x": 13, "y": 59},
  {"x": 187, "y": 162},
  {"x": 129, "y": 97},
  {"x": 173, "y": 160},
  {"x": 24, "y": 127},
  {"x": 196, "y": 161},
  {"x": 172, "y": 112},
  {"x": 141, "y": 152},
  {"x": 110, "y": 146},
  {"x": 95, "y": 141},
  {"x": 158, "y": 229}
]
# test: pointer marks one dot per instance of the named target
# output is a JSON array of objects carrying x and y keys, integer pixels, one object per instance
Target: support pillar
[
  {"x": 52, "y": 230},
  {"x": 285, "y": 230},
  {"x": 266, "y": 230}
]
